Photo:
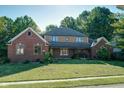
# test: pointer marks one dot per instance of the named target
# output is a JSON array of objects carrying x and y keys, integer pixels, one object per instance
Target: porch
[{"x": 68, "y": 52}]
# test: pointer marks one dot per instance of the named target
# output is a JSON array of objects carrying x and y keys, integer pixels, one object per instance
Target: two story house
[
  {"x": 62, "y": 42},
  {"x": 65, "y": 42}
]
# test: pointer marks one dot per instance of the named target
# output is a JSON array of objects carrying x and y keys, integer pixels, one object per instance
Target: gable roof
[
  {"x": 29, "y": 28},
  {"x": 64, "y": 32},
  {"x": 95, "y": 42}
]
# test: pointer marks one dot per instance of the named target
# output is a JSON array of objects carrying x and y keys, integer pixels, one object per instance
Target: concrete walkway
[{"x": 60, "y": 80}]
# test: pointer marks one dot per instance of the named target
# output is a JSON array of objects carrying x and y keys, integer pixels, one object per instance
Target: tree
[
  {"x": 22, "y": 23},
  {"x": 68, "y": 22},
  {"x": 50, "y": 27},
  {"x": 6, "y": 25},
  {"x": 99, "y": 23},
  {"x": 81, "y": 21},
  {"x": 119, "y": 34}
]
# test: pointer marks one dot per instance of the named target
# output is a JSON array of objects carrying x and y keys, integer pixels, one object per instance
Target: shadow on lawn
[
  {"x": 9, "y": 69},
  {"x": 86, "y": 61}
]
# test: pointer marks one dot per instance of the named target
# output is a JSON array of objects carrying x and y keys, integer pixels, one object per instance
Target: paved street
[{"x": 106, "y": 86}]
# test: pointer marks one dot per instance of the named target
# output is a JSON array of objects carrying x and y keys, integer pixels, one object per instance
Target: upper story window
[
  {"x": 29, "y": 33},
  {"x": 79, "y": 39},
  {"x": 66, "y": 39},
  {"x": 20, "y": 49},
  {"x": 54, "y": 38}
]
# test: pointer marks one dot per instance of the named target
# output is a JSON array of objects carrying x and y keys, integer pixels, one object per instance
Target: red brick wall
[
  {"x": 29, "y": 42},
  {"x": 95, "y": 48}
]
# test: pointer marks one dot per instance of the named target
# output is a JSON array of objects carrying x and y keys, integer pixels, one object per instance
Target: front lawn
[{"x": 60, "y": 69}]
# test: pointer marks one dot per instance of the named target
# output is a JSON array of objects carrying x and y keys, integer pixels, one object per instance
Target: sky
[{"x": 45, "y": 15}]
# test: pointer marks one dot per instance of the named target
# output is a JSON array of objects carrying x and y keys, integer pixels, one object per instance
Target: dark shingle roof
[
  {"x": 69, "y": 45},
  {"x": 64, "y": 32}
]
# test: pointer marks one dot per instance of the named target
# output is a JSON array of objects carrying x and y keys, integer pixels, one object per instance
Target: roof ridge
[{"x": 11, "y": 40}]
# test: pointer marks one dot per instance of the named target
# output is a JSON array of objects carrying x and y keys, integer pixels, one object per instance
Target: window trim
[
  {"x": 28, "y": 33},
  {"x": 17, "y": 47},
  {"x": 79, "y": 39},
  {"x": 54, "y": 38},
  {"x": 66, "y": 39},
  {"x": 34, "y": 49},
  {"x": 66, "y": 53}
]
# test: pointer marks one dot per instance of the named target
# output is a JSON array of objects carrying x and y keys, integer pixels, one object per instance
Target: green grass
[
  {"x": 60, "y": 69},
  {"x": 69, "y": 84}
]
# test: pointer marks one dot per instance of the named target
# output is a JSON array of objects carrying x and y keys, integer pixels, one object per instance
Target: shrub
[
  {"x": 118, "y": 56},
  {"x": 48, "y": 58},
  {"x": 26, "y": 62},
  {"x": 75, "y": 56},
  {"x": 103, "y": 54},
  {"x": 4, "y": 60}
]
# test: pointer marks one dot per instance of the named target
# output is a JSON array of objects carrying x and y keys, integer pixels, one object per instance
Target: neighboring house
[{"x": 62, "y": 42}]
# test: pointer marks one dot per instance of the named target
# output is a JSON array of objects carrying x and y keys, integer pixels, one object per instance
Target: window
[
  {"x": 20, "y": 49},
  {"x": 79, "y": 39},
  {"x": 29, "y": 33},
  {"x": 66, "y": 39},
  {"x": 37, "y": 49},
  {"x": 64, "y": 52},
  {"x": 54, "y": 38}
]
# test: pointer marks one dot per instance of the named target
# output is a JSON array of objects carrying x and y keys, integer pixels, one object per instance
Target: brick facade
[
  {"x": 29, "y": 42},
  {"x": 95, "y": 48}
]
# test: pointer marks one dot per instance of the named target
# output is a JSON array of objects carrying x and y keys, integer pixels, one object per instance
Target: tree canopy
[
  {"x": 68, "y": 22},
  {"x": 22, "y": 23},
  {"x": 99, "y": 23},
  {"x": 95, "y": 23},
  {"x": 119, "y": 34},
  {"x": 50, "y": 27},
  {"x": 81, "y": 21},
  {"x": 6, "y": 25}
]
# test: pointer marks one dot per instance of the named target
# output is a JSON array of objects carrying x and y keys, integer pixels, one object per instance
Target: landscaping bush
[
  {"x": 26, "y": 62},
  {"x": 103, "y": 54},
  {"x": 118, "y": 56},
  {"x": 48, "y": 58},
  {"x": 4, "y": 60},
  {"x": 75, "y": 56}
]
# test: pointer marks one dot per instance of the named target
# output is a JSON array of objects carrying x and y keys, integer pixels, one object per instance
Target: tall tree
[
  {"x": 68, "y": 22},
  {"x": 6, "y": 25},
  {"x": 99, "y": 23},
  {"x": 50, "y": 27},
  {"x": 81, "y": 21},
  {"x": 119, "y": 31},
  {"x": 22, "y": 23}
]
